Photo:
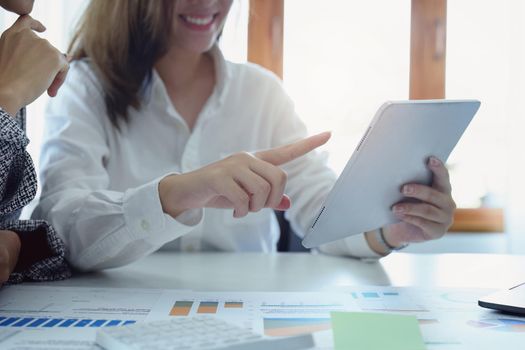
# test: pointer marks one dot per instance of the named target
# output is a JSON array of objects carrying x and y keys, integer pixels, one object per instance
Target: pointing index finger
[{"x": 284, "y": 154}]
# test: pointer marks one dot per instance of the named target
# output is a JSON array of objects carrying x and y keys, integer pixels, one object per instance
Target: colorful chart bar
[
  {"x": 8, "y": 321},
  {"x": 68, "y": 322},
  {"x": 208, "y": 307},
  {"x": 181, "y": 308},
  {"x": 391, "y": 301},
  {"x": 83, "y": 323},
  {"x": 499, "y": 324},
  {"x": 279, "y": 327},
  {"x": 233, "y": 305},
  {"x": 98, "y": 323},
  {"x": 23, "y": 322},
  {"x": 53, "y": 322},
  {"x": 38, "y": 322},
  {"x": 370, "y": 295},
  {"x": 32, "y": 322},
  {"x": 391, "y": 293}
]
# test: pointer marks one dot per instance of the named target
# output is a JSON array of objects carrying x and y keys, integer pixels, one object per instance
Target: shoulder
[
  {"x": 81, "y": 87},
  {"x": 82, "y": 78},
  {"x": 79, "y": 99},
  {"x": 257, "y": 84},
  {"x": 251, "y": 73}
]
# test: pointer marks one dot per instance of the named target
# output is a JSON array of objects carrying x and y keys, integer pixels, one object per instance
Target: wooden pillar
[
  {"x": 265, "y": 34},
  {"x": 428, "y": 49}
]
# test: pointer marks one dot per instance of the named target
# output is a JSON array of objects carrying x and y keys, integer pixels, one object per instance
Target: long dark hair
[{"x": 123, "y": 39}]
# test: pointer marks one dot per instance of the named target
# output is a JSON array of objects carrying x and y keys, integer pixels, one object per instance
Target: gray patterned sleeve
[
  {"x": 17, "y": 173},
  {"x": 42, "y": 256}
]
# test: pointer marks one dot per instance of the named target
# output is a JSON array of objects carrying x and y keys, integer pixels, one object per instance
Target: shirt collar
[
  {"x": 154, "y": 89},
  {"x": 222, "y": 73}
]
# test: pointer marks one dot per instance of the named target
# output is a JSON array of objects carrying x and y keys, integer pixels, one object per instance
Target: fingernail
[
  {"x": 399, "y": 209},
  {"x": 434, "y": 161},
  {"x": 407, "y": 189}
]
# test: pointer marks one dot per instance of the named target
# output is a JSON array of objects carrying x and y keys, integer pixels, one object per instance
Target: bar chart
[
  {"x": 208, "y": 307},
  {"x": 387, "y": 301},
  {"x": 181, "y": 308},
  {"x": 32, "y": 322},
  {"x": 184, "y": 307},
  {"x": 501, "y": 324},
  {"x": 279, "y": 327},
  {"x": 289, "y": 319}
]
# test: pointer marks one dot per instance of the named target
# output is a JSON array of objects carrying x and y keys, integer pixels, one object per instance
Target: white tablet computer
[{"x": 393, "y": 151}]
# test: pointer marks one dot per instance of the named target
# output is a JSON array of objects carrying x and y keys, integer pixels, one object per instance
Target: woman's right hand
[
  {"x": 29, "y": 65},
  {"x": 245, "y": 182}
]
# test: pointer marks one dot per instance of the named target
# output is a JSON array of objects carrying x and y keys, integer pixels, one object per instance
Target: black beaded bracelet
[{"x": 383, "y": 240}]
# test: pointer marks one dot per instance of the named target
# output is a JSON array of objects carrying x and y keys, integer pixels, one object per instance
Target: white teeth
[{"x": 200, "y": 21}]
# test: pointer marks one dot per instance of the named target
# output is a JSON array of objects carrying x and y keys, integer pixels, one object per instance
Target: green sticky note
[{"x": 375, "y": 331}]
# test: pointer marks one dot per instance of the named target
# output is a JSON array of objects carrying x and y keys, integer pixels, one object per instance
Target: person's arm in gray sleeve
[{"x": 17, "y": 173}]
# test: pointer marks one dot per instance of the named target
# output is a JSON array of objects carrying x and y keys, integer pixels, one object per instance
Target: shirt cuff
[
  {"x": 42, "y": 254},
  {"x": 10, "y": 131},
  {"x": 146, "y": 220},
  {"x": 355, "y": 246}
]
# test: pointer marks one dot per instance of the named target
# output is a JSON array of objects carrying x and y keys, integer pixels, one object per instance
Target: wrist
[
  {"x": 392, "y": 240},
  {"x": 9, "y": 101},
  {"x": 380, "y": 244},
  {"x": 375, "y": 244},
  {"x": 169, "y": 195}
]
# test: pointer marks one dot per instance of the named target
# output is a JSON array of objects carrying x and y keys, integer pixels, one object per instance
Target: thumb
[{"x": 27, "y": 21}]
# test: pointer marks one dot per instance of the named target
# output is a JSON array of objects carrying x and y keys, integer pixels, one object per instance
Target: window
[
  {"x": 479, "y": 51},
  {"x": 342, "y": 60}
]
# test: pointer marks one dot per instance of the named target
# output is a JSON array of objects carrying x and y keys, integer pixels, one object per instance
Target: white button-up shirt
[{"x": 100, "y": 185}]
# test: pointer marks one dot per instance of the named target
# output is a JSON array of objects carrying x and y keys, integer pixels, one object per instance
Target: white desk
[{"x": 306, "y": 272}]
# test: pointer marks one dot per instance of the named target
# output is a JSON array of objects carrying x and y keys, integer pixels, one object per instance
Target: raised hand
[
  {"x": 245, "y": 182},
  {"x": 431, "y": 217},
  {"x": 29, "y": 65}
]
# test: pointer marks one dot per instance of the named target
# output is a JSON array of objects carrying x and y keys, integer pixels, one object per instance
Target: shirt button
[{"x": 145, "y": 225}]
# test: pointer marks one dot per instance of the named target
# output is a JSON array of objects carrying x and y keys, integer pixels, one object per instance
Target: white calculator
[{"x": 194, "y": 333}]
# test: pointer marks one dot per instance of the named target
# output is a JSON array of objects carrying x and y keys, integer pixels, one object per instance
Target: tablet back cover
[{"x": 394, "y": 151}]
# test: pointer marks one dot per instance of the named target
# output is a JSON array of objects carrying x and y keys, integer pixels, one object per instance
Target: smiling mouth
[{"x": 201, "y": 21}]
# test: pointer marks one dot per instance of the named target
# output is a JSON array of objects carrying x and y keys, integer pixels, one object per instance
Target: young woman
[{"x": 146, "y": 146}]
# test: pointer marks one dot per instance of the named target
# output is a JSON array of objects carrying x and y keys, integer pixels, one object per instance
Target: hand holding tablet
[{"x": 394, "y": 152}]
